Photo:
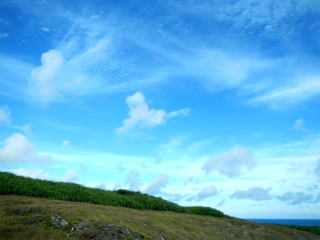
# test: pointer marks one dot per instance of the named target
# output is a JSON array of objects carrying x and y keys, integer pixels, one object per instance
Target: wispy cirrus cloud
[
  {"x": 270, "y": 15},
  {"x": 14, "y": 77},
  {"x": 292, "y": 94},
  {"x": 299, "y": 125},
  {"x": 123, "y": 56},
  {"x": 88, "y": 57},
  {"x": 5, "y": 115}
]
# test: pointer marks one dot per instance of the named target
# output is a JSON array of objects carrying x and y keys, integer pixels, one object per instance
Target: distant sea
[{"x": 300, "y": 222}]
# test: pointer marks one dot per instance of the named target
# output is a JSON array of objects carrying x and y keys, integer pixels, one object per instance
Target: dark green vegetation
[
  {"x": 205, "y": 211},
  {"x": 12, "y": 184},
  {"x": 31, "y": 218}
]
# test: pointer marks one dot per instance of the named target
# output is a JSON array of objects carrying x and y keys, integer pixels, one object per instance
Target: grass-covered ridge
[
  {"x": 13, "y": 184},
  {"x": 23, "y": 217}
]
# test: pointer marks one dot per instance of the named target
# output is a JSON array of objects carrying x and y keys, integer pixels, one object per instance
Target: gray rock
[
  {"x": 58, "y": 222},
  {"x": 104, "y": 232},
  {"x": 81, "y": 227},
  {"x": 36, "y": 220}
]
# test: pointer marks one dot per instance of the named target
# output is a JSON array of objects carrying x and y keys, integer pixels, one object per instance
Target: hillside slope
[
  {"x": 19, "y": 185},
  {"x": 38, "y": 218}
]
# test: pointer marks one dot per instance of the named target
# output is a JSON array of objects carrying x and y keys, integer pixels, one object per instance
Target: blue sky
[{"x": 212, "y": 103}]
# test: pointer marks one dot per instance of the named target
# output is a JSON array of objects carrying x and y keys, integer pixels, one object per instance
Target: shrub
[
  {"x": 207, "y": 211},
  {"x": 13, "y": 184}
]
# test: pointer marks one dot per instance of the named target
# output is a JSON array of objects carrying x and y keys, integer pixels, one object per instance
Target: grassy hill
[
  {"x": 13, "y": 184},
  {"x": 42, "y": 217}
]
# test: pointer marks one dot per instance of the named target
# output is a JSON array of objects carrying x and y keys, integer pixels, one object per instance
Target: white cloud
[
  {"x": 45, "y": 29},
  {"x": 173, "y": 197},
  {"x": 221, "y": 203},
  {"x": 142, "y": 116},
  {"x": 17, "y": 148},
  {"x": 191, "y": 198},
  {"x": 77, "y": 65},
  {"x": 231, "y": 163},
  {"x": 94, "y": 62},
  {"x": 191, "y": 167},
  {"x": 4, "y": 35},
  {"x": 189, "y": 181},
  {"x": 65, "y": 143},
  {"x": 140, "y": 113},
  {"x": 172, "y": 146},
  {"x": 294, "y": 198},
  {"x": 31, "y": 172},
  {"x": 26, "y": 129},
  {"x": 317, "y": 168},
  {"x": 5, "y": 115},
  {"x": 208, "y": 191},
  {"x": 70, "y": 176},
  {"x": 43, "y": 76},
  {"x": 205, "y": 192},
  {"x": 157, "y": 184},
  {"x": 132, "y": 180},
  {"x": 299, "y": 124},
  {"x": 317, "y": 200},
  {"x": 102, "y": 185},
  {"x": 254, "y": 193}
]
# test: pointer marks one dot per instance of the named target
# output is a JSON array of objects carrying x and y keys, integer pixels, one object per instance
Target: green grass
[
  {"x": 13, "y": 184},
  {"x": 18, "y": 214}
]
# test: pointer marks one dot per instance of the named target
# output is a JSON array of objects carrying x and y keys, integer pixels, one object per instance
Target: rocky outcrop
[
  {"x": 58, "y": 222},
  {"x": 86, "y": 230},
  {"x": 105, "y": 232}
]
